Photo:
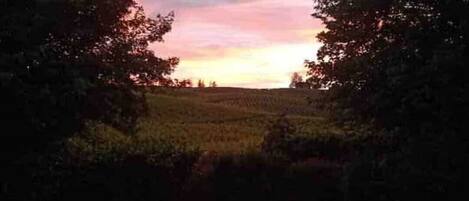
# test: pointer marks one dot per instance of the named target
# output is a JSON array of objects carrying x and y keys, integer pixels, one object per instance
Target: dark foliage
[
  {"x": 135, "y": 178},
  {"x": 295, "y": 79},
  {"x": 394, "y": 176},
  {"x": 400, "y": 66},
  {"x": 104, "y": 165},
  {"x": 297, "y": 82},
  {"x": 284, "y": 140},
  {"x": 256, "y": 177},
  {"x": 279, "y": 131},
  {"x": 63, "y": 62},
  {"x": 213, "y": 84},
  {"x": 201, "y": 83},
  {"x": 183, "y": 83}
]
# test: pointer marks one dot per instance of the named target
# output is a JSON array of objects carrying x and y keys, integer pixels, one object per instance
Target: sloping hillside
[{"x": 227, "y": 120}]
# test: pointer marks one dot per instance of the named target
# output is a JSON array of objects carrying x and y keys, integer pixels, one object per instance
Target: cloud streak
[{"x": 239, "y": 42}]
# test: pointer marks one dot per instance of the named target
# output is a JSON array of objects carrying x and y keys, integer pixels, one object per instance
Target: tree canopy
[
  {"x": 201, "y": 83},
  {"x": 296, "y": 79},
  {"x": 398, "y": 64},
  {"x": 63, "y": 62},
  {"x": 401, "y": 67},
  {"x": 213, "y": 84}
]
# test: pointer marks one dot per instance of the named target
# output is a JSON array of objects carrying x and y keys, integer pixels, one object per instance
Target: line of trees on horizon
[
  {"x": 201, "y": 84},
  {"x": 185, "y": 83},
  {"x": 298, "y": 82}
]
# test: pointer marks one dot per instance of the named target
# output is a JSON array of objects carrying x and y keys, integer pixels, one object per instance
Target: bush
[
  {"x": 396, "y": 177},
  {"x": 104, "y": 164},
  {"x": 279, "y": 131},
  {"x": 283, "y": 139},
  {"x": 259, "y": 177}
]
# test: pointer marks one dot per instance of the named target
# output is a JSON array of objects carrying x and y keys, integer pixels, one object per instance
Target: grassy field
[
  {"x": 227, "y": 120},
  {"x": 214, "y": 149}
]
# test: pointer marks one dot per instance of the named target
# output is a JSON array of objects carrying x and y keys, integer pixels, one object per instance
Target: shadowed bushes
[
  {"x": 284, "y": 139},
  {"x": 127, "y": 167},
  {"x": 104, "y": 164},
  {"x": 260, "y": 177},
  {"x": 375, "y": 167}
]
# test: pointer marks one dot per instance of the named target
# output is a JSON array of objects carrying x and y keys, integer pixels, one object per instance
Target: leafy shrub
[
  {"x": 101, "y": 144},
  {"x": 259, "y": 177},
  {"x": 283, "y": 139},
  {"x": 275, "y": 140},
  {"x": 396, "y": 177},
  {"x": 103, "y": 164}
]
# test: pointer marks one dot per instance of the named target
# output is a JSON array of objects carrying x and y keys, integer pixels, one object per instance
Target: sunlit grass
[{"x": 226, "y": 120}]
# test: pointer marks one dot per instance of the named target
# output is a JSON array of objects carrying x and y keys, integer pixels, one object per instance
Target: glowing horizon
[{"x": 239, "y": 43}]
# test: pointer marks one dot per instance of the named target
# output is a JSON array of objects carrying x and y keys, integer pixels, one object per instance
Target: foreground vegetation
[
  {"x": 203, "y": 144},
  {"x": 78, "y": 125}
]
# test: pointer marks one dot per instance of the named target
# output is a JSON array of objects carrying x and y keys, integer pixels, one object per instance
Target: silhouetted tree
[
  {"x": 166, "y": 83},
  {"x": 201, "y": 83},
  {"x": 213, "y": 84},
  {"x": 65, "y": 62},
  {"x": 296, "y": 78},
  {"x": 183, "y": 83},
  {"x": 401, "y": 66}
]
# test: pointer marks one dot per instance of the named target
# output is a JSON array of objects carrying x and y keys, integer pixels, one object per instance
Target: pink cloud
[{"x": 211, "y": 29}]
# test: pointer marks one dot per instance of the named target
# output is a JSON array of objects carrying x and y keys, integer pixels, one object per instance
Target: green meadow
[{"x": 227, "y": 120}]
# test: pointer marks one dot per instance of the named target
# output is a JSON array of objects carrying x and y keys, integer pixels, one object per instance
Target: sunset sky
[{"x": 239, "y": 43}]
